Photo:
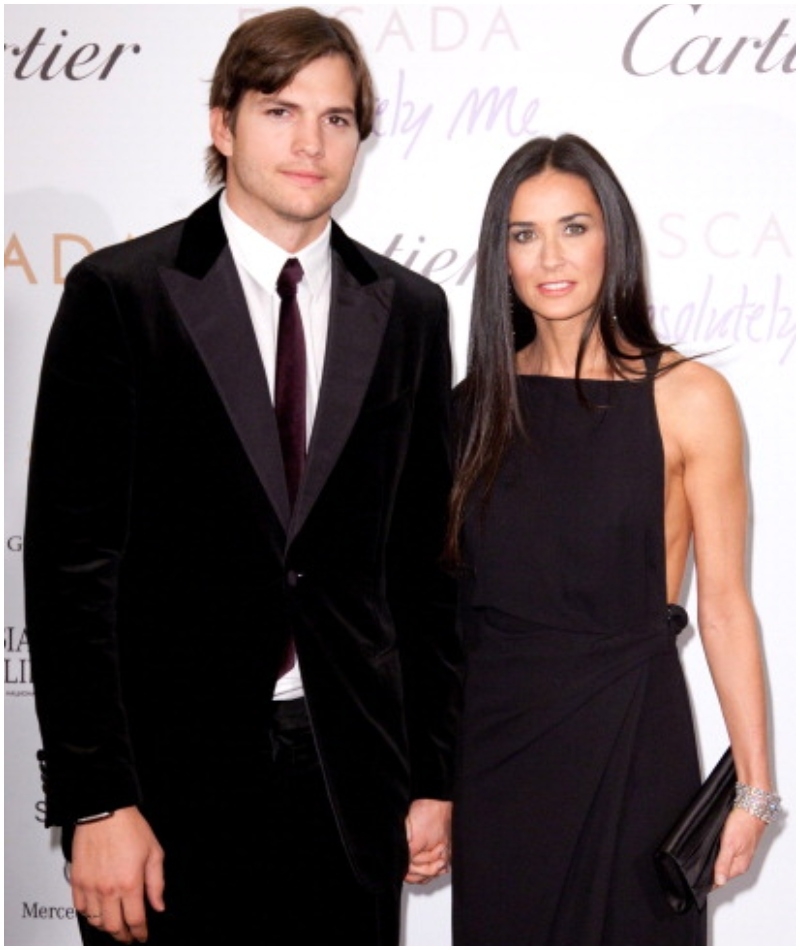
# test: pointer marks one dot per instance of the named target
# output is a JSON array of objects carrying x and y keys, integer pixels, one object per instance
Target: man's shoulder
[
  {"x": 151, "y": 250},
  {"x": 384, "y": 267},
  {"x": 387, "y": 267},
  {"x": 165, "y": 246}
]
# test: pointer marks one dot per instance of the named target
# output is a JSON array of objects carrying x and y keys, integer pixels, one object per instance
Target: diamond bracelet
[{"x": 757, "y": 802}]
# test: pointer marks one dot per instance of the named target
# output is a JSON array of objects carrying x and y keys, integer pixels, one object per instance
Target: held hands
[
  {"x": 115, "y": 863},
  {"x": 740, "y": 838},
  {"x": 428, "y": 832}
]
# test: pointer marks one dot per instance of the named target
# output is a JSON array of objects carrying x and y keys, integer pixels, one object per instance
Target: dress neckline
[{"x": 571, "y": 379}]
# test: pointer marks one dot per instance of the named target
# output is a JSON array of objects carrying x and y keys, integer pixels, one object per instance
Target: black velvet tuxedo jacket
[{"x": 164, "y": 570}]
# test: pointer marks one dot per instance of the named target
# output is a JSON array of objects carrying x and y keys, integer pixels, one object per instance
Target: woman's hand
[{"x": 740, "y": 838}]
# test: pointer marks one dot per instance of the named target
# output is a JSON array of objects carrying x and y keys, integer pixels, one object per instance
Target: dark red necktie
[
  {"x": 290, "y": 377},
  {"x": 290, "y": 393}
]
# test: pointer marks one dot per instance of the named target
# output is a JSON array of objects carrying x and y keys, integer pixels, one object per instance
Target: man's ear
[{"x": 221, "y": 134}]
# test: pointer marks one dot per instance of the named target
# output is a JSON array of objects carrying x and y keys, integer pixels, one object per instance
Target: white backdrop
[{"x": 694, "y": 106}]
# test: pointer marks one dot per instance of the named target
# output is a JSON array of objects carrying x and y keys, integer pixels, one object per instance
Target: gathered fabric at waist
[
  {"x": 519, "y": 671},
  {"x": 510, "y": 633}
]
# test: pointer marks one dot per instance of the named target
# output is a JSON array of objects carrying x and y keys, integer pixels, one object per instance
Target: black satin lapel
[
  {"x": 215, "y": 314},
  {"x": 357, "y": 325}
]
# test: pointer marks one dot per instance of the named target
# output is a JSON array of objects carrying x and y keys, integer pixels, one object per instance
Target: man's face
[{"x": 290, "y": 154}]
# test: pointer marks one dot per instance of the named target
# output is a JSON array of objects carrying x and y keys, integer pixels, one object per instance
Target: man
[{"x": 243, "y": 646}]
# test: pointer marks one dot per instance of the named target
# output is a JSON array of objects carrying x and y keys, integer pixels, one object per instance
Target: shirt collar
[{"x": 263, "y": 259}]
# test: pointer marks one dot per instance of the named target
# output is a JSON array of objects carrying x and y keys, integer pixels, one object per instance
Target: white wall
[{"x": 694, "y": 106}]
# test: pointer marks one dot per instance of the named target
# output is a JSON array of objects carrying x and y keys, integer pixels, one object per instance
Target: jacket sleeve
[
  {"x": 79, "y": 492},
  {"x": 421, "y": 592}
]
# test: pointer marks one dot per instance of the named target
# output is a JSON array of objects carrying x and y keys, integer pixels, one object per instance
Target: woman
[{"x": 590, "y": 456}]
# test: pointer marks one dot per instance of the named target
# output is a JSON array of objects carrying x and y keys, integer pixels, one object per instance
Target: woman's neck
[{"x": 555, "y": 354}]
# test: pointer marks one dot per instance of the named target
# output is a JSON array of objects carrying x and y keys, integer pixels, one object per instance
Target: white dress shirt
[{"x": 259, "y": 262}]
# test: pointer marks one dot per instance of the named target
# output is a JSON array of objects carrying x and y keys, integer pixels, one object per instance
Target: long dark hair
[{"x": 488, "y": 407}]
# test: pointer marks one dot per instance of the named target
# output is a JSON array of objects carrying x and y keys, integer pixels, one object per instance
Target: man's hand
[
  {"x": 116, "y": 862},
  {"x": 428, "y": 831}
]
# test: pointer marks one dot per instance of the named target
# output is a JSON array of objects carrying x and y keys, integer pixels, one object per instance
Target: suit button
[{"x": 292, "y": 578}]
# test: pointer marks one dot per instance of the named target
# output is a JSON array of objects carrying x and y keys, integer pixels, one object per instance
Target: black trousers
[{"x": 281, "y": 878}]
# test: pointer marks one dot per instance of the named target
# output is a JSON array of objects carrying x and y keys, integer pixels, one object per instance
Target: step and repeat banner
[{"x": 694, "y": 106}]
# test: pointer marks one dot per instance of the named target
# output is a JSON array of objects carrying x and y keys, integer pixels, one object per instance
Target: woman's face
[{"x": 556, "y": 246}]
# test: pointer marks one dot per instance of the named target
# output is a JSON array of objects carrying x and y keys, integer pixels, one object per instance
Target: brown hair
[{"x": 266, "y": 52}]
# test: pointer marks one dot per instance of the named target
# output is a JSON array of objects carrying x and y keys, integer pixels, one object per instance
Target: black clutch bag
[{"x": 685, "y": 859}]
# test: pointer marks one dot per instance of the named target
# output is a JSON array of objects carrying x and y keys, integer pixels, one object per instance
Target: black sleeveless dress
[{"x": 577, "y": 750}]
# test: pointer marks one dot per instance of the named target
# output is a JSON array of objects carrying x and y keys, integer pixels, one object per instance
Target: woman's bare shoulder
[
  {"x": 689, "y": 381},
  {"x": 695, "y": 399}
]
